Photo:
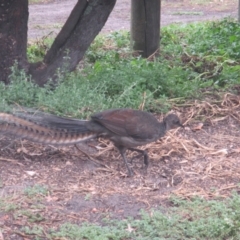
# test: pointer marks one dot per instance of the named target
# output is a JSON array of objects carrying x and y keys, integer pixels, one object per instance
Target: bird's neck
[{"x": 162, "y": 128}]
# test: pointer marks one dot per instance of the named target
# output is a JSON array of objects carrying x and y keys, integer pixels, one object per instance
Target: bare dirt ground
[
  {"x": 50, "y": 17},
  {"x": 46, "y": 186}
]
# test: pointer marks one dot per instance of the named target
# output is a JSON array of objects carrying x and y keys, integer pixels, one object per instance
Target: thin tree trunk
[
  {"x": 84, "y": 23},
  {"x": 145, "y": 26},
  {"x": 239, "y": 11}
]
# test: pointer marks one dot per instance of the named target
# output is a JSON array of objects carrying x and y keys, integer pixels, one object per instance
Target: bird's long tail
[{"x": 45, "y": 128}]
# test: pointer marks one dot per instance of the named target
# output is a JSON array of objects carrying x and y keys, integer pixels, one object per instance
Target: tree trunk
[
  {"x": 239, "y": 11},
  {"x": 84, "y": 23},
  {"x": 145, "y": 26},
  {"x": 13, "y": 36}
]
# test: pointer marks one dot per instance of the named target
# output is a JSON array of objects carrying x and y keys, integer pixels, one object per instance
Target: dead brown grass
[
  {"x": 204, "y": 156},
  {"x": 200, "y": 160}
]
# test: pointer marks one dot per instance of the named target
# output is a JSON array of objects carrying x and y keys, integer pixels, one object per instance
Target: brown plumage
[{"x": 126, "y": 128}]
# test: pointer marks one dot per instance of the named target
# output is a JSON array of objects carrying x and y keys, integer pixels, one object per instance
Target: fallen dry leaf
[
  {"x": 31, "y": 173},
  {"x": 197, "y": 127}
]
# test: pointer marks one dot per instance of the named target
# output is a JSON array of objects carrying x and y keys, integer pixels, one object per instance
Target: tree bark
[
  {"x": 84, "y": 23},
  {"x": 239, "y": 11},
  {"x": 13, "y": 36},
  {"x": 145, "y": 26}
]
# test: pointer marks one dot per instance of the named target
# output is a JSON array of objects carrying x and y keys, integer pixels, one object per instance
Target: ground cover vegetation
[
  {"x": 193, "y": 219},
  {"x": 194, "y": 59}
]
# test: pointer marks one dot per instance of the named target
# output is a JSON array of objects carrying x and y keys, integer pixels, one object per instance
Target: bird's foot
[{"x": 130, "y": 172}]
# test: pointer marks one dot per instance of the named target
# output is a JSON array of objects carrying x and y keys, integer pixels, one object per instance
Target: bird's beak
[{"x": 180, "y": 125}]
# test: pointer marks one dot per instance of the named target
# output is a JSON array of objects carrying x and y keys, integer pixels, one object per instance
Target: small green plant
[
  {"x": 36, "y": 190},
  {"x": 187, "y": 13},
  {"x": 35, "y": 230},
  {"x": 8, "y": 207},
  {"x": 199, "y": 2},
  {"x": 91, "y": 232},
  {"x": 87, "y": 197},
  {"x": 31, "y": 216},
  {"x": 37, "y": 50},
  {"x": 37, "y": 1},
  {"x": 186, "y": 219}
]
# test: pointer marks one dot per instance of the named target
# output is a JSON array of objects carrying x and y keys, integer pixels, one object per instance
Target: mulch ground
[{"x": 47, "y": 186}]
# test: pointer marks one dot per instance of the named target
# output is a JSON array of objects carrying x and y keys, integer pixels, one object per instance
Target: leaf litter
[{"x": 200, "y": 160}]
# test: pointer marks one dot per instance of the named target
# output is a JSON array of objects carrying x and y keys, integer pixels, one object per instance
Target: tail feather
[
  {"x": 47, "y": 130},
  {"x": 52, "y": 121}
]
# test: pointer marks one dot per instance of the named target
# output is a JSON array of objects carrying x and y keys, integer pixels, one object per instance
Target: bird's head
[{"x": 172, "y": 121}]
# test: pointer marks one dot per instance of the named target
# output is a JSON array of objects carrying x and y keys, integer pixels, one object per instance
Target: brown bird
[{"x": 126, "y": 128}]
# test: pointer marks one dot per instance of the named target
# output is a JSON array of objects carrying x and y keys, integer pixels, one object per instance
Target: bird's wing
[{"x": 127, "y": 122}]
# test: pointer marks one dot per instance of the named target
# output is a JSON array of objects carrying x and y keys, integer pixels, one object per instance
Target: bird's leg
[
  {"x": 122, "y": 152},
  {"x": 142, "y": 152}
]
